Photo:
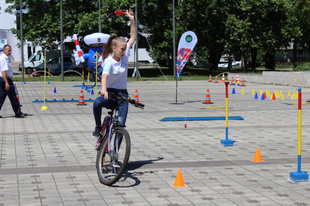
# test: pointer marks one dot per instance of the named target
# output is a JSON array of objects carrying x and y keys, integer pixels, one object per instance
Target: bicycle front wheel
[{"x": 113, "y": 156}]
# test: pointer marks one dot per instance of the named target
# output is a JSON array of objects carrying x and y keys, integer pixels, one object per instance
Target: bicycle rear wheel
[{"x": 113, "y": 156}]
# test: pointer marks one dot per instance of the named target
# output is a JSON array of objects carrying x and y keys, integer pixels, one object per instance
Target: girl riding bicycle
[{"x": 114, "y": 74}]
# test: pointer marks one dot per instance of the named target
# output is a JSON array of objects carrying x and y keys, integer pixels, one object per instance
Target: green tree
[
  {"x": 300, "y": 14},
  {"x": 41, "y": 22},
  {"x": 208, "y": 20},
  {"x": 269, "y": 27},
  {"x": 230, "y": 26},
  {"x": 157, "y": 18}
]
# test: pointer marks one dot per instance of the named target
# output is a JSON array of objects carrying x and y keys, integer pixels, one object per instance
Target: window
[{"x": 38, "y": 57}]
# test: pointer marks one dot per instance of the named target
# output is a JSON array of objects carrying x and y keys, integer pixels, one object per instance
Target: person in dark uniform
[{"x": 7, "y": 87}]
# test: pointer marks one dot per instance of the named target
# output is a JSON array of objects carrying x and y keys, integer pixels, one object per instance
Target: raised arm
[{"x": 133, "y": 32}]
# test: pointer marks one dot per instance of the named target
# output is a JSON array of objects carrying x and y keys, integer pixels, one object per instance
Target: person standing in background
[{"x": 7, "y": 87}]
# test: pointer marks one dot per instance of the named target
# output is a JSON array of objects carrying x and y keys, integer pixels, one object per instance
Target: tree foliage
[{"x": 245, "y": 27}]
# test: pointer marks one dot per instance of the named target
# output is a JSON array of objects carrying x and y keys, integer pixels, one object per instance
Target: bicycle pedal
[
  {"x": 96, "y": 147},
  {"x": 115, "y": 164}
]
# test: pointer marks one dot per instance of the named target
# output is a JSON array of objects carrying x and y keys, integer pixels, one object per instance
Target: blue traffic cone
[
  {"x": 263, "y": 97},
  {"x": 92, "y": 92},
  {"x": 85, "y": 88},
  {"x": 55, "y": 90},
  {"x": 256, "y": 96},
  {"x": 233, "y": 91}
]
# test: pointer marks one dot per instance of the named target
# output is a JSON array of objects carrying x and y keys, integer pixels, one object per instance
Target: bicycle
[{"x": 113, "y": 145}]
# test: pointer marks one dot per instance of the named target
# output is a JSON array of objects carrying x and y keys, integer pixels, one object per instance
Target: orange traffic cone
[
  {"x": 179, "y": 180},
  {"x": 210, "y": 78},
  {"x": 81, "y": 100},
  {"x": 208, "y": 100},
  {"x": 257, "y": 157},
  {"x": 136, "y": 96},
  {"x": 223, "y": 77},
  {"x": 215, "y": 81},
  {"x": 242, "y": 82},
  {"x": 232, "y": 81}
]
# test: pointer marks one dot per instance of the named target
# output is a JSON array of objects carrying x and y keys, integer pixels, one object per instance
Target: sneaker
[
  {"x": 22, "y": 115},
  {"x": 96, "y": 133},
  {"x": 115, "y": 164}
]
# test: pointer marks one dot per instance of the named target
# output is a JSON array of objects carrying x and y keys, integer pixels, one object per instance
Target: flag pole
[
  {"x": 176, "y": 91},
  {"x": 174, "y": 55}
]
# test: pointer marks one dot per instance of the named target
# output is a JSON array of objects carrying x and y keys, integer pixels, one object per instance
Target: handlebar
[{"x": 113, "y": 96}]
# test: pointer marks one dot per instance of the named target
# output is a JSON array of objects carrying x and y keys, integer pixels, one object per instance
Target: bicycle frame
[{"x": 109, "y": 125}]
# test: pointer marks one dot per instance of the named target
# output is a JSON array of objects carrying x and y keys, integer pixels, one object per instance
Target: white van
[{"x": 37, "y": 58}]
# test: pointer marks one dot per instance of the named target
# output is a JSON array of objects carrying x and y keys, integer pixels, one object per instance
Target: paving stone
[{"x": 49, "y": 159}]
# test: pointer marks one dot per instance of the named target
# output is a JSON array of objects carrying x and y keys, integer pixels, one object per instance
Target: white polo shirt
[
  {"x": 117, "y": 71},
  {"x": 5, "y": 65}
]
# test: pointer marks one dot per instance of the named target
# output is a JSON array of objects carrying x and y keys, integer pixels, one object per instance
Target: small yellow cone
[
  {"x": 282, "y": 97},
  {"x": 289, "y": 93},
  {"x": 253, "y": 92},
  {"x": 257, "y": 157},
  {"x": 179, "y": 180},
  {"x": 242, "y": 92}
]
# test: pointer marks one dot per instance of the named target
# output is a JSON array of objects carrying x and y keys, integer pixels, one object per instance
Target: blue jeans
[{"x": 102, "y": 102}]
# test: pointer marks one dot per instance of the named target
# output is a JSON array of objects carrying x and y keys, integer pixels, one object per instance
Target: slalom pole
[
  {"x": 176, "y": 91},
  {"x": 88, "y": 76},
  {"x": 299, "y": 176},
  {"x": 49, "y": 71},
  {"x": 83, "y": 77},
  {"x": 227, "y": 142},
  {"x": 24, "y": 76},
  {"x": 44, "y": 106},
  {"x": 96, "y": 74}
]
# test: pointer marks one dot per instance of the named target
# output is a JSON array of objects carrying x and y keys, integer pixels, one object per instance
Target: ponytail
[{"x": 107, "y": 48}]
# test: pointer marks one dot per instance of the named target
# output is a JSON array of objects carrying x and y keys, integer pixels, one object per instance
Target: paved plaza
[{"x": 48, "y": 158}]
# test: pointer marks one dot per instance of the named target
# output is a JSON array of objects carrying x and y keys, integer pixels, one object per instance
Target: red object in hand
[{"x": 118, "y": 13}]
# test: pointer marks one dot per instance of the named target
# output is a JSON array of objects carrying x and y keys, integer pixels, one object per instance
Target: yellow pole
[
  {"x": 49, "y": 71},
  {"x": 88, "y": 77},
  {"x": 83, "y": 82},
  {"x": 24, "y": 75},
  {"x": 299, "y": 130},
  {"x": 44, "y": 106}
]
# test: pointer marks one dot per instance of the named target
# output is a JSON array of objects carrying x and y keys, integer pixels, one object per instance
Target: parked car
[
  {"x": 77, "y": 68},
  {"x": 37, "y": 58},
  {"x": 55, "y": 66},
  {"x": 224, "y": 64}
]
